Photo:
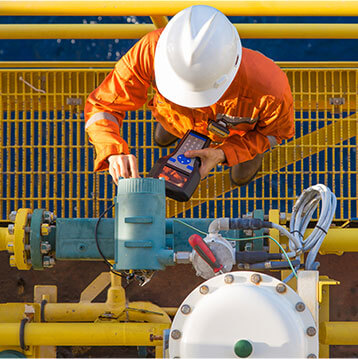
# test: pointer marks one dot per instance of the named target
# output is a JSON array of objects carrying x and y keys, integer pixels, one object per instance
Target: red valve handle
[{"x": 199, "y": 245}]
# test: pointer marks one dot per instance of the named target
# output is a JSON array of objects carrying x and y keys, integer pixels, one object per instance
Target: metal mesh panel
[{"x": 46, "y": 160}]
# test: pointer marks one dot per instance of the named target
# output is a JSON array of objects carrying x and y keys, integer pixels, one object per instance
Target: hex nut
[
  {"x": 185, "y": 309},
  {"x": 311, "y": 331},
  {"x": 12, "y": 216},
  {"x": 48, "y": 217},
  {"x": 204, "y": 289},
  {"x": 300, "y": 306},
  {"x": 229, "y": 278},
  {"x": 11, "y": 229},
  {"x": 256, "y": 278},
  {"x": 175, "y": 334},
  {"x": 48, "y": 261},
  {"x": 281, "y": 288}
]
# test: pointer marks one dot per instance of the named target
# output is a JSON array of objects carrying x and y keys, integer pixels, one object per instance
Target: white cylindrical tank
[{"x": 243, "y": 315}]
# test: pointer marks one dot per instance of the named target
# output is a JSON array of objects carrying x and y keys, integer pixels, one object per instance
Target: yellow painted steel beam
[
  {"x": 159, "y": 21},
  {"x": 277, "y": 158},
  {"x": 136, "y": 31},
  {"x": 91, "y": 334},
  {"x": 338, "y": 333},
  {"x": 166, "y": 7}
]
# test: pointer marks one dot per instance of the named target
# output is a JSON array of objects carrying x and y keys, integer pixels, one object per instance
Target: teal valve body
[{"x": 139, "y": 229}]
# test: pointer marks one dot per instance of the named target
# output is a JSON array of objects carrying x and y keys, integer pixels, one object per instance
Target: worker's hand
[
  {"x": 210, "y": 157},
  {"x": 123, "y": 166}
]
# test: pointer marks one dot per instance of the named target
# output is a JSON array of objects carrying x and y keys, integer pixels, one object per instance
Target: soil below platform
[{"x": 168, "y": 289}]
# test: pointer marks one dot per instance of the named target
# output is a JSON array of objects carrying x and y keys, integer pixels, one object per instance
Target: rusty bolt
[
  {"x": 281, "y": 288},
  {"x": 11, "y": 229},
  {"x": 12, "y": 216},
  {"x": 300, "y": 306},
  {"x": 256, "y": 278},
  {"x": 175, "y": 334},
  {"x": 204, "y": 289},
  {"x": 229, "y": 278},
  {"x": 185, "y": 309},
  {"x": 45, "y": 229},
  {"x": 311, "y": 331},
  {"x": 12, "y": 261}
]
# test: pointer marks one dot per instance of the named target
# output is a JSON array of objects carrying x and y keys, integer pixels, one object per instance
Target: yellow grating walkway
[{"x": 47, "y": 162}]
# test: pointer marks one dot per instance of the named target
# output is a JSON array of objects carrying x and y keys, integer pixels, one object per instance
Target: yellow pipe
[
  {"x": 100, "y": 334},
  {"x": 167, "y": 7},
  {"x": 339, "y": 240},
  {"x": 3, "y": 238},
  {"x": 136, "y": 31},
  {"x": 159, "y": 21},
  {"x": 89, "y": 312},
  {"x": 338, "y": 333}
]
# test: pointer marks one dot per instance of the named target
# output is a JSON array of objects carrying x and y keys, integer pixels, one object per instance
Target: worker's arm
[
  {"x": 275, "y": 124},
  {"x": 124, "y": 89}
]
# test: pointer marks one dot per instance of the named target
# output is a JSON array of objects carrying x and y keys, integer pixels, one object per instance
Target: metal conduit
[
  {"x": 164, "y": 7},
  {"x": 136, "y": 31},
  {"x": 338, "y": 333}
]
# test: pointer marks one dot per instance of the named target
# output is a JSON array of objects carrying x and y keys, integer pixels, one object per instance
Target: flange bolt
[
  {"x": 256, "y": 278},
  {"x": 311, "y": 331},
  {"x": 12, "y": 216},
  {"x": 185, "y": 309},
  {"x": 12, "y": 261},
  {"x": 281, "y": 288},
  {"x": 229, "y": 278},
  {"x": 300, "y": 306},
  {"x": 11, "y": 229},
  {"x": 45, "y": 229},
  {"x": 175, "y": 334},
  {"x": 48, "y": 261},
  {"x": 45, "y": 247},
  {"x": 48, "y": 217},
  {"x": 204, "y": 289}
]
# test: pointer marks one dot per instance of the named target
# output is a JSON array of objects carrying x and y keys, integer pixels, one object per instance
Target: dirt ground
[{"x": 167, "y": 288}]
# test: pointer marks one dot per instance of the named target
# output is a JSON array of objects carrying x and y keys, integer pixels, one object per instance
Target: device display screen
[{"x": 173, "y": 176}]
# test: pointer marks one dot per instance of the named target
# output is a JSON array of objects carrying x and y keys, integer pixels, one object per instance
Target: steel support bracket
[{"x": 322, "y": 282}]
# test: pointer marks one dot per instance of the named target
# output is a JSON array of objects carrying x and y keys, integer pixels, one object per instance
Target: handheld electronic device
[{"x": 181, "y": 173}]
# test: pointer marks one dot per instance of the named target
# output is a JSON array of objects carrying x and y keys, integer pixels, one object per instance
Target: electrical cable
[{"x": 97, "y": 242}]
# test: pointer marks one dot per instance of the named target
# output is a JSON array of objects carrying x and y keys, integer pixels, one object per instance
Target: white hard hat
[{"x": 197, "y": 57}]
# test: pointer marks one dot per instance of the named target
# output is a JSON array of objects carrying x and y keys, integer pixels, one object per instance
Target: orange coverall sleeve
[
  {"x": 276, "y": 119},
  {"x": 124, "y": 89}
]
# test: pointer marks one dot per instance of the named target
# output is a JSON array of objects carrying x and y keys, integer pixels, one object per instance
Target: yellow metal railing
[
  {"x": 46, "y": 160},
  {"x": 168, "y": 7},
  {"x": 135, "y": 31}
]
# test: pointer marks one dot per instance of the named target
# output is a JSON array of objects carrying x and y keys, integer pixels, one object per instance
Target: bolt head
[
  {"x": 48, "y": 217},
  {"x": 311, "y": 331},
  {"x": 312, "y": 356},
  {"x": 300, "y": 306},
  {"x": 11, "y": 229},
  {"x": 282, "y": 219},
  {"x": 12, "y": 216},
  {"x": 48, "y": 261},
  {"x": 229, "y": 278},
  {"x": 281, "y": 288},
  {"x": 204, "y": 289},
  {"x": 256, "y": 278},
  {"x": 175, "y": 334},
  {"x": 185, "y": 309}
]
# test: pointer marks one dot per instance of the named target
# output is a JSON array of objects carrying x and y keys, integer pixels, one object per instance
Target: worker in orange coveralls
[{"x": 203, "y": 80}]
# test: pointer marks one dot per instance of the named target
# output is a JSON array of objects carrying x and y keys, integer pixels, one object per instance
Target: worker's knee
[{"x": 245, "y": 172}]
